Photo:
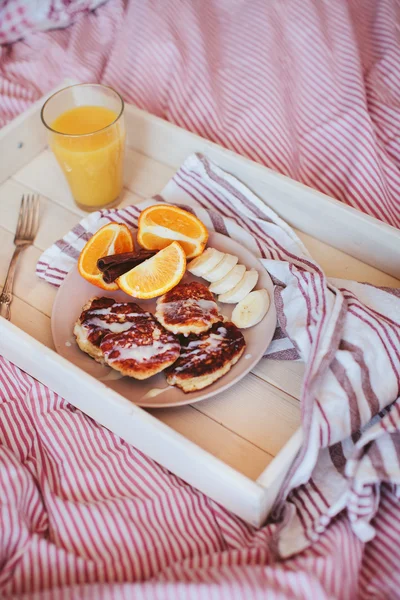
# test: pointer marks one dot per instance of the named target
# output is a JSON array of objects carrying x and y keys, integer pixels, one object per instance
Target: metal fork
[{"x": 28, "y": 222}]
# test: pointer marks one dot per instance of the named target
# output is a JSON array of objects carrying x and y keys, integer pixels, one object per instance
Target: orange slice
[
  {"x": 113, "y": 238},
  {"x": 156, "y": 275},
  {"x": 159, "y": 225}
]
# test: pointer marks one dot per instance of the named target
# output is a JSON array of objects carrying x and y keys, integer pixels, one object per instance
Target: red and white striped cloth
[
  {"x": 309, "y": 89},
  {"x": 85, "y": 516},
  {"x": 81, "y": 507},
  {"x": 19, "y": 18}
]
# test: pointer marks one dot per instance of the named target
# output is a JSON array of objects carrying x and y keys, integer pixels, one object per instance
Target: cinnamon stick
[
  {"x": 115, "y": 265},
  {"x": 115, "y": 271},
  {"x": 106, "y": 261}
]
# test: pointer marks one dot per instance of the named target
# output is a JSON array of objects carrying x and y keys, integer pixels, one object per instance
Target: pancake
[
  {"x": 99, "y": 317},
  {"x": 125, "y": 337},
  {"x": 187, "y": 308},
  {"x": 142, "y": 351},
  {"x": 206, "y": 358}
]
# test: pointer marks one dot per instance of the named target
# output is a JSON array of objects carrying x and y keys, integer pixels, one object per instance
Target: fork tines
[{"x": 28, "y": 219}]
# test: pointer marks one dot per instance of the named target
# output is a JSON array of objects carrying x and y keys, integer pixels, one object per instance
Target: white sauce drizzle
[
  {"x": 142, "y": 353},
  {"x": 119, "y": 326},
  {"x": 174, "y": 307},
  {"x": 197, "y": 350},
  {"x": 156, "y": 392},
  {"x": 111, "y": 376},
  {"x": 114, "y": 327}
]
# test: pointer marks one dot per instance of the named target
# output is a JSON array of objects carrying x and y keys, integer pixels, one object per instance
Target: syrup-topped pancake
[
  {"x": 187, "y": 308},
  {"x": 142, "y": 351},
  {"x": 206, "y": 357},
  {"x": 101, "y": 316},
  {"x": 125, "y": 337}
]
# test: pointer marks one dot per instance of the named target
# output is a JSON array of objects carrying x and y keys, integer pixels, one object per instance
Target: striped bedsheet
[{"x": 308, "y": 88}]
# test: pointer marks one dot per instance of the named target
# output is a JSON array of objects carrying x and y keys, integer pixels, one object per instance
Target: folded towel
[{"x": 347, "y": 334}]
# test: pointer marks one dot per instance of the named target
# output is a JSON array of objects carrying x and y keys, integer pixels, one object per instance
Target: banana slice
[
  {"x": 240, "y": 291},
  {"x": 228, "y": 282},
  {"x": 205, "y": 262},
  {"x": 223, "y": 268},
  {"x": 251, "y": 310}
]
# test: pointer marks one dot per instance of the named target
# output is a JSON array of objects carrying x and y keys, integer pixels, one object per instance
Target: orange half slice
[
  {"x": 156, "y": 275},
  {"x": 113, "y": 238},
  {"x": 159, "y": 225}
]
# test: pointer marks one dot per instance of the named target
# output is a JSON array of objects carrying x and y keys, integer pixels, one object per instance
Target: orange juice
[{"x": 90, "y": 153}]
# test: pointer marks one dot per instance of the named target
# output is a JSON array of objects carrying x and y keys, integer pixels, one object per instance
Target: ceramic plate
[{"x": 154, "y": 392}]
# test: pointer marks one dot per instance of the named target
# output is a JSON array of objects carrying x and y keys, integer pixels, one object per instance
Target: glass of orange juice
[{"x": 86, "y": 130}]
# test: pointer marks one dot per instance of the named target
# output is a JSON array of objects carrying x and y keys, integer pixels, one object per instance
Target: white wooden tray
[{"x": 237, "y": 446}]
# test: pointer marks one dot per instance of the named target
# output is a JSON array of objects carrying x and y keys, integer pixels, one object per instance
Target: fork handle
[{"x": 6, "y": 296}]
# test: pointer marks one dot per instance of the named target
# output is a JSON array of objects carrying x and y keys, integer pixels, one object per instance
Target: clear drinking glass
[{"x": 86, "y": 132}]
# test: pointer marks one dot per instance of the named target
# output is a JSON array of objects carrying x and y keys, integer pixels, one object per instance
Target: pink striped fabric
[
  {"x": 18, "y": 18},
  {"x": 84, "y": 515},
  {"x": 90, "y": 515},
  {"x": 309, "y": 89}
]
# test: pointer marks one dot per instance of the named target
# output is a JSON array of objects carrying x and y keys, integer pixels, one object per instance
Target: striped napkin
[{"x": 346, "y": 333}]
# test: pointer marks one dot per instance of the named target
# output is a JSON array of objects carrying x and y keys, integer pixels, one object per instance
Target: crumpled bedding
[{"x": 310, "y": 89}]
